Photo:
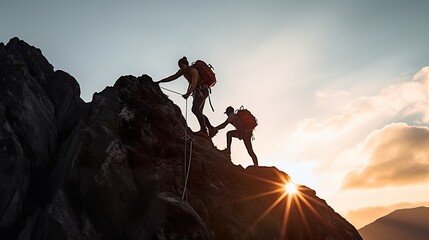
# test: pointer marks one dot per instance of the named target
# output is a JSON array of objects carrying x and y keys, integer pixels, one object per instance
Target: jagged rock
[
  {"x": 40, "y": 107},
  {"x": 170, "y": 217},
  {"x": 114, "y": 168},
  {"x": 57, "y": 221}
]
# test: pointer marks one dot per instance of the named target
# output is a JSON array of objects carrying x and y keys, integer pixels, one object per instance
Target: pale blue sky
[
  {"x": 287, "y": 61},
  {"x": 96, "y": 41}
]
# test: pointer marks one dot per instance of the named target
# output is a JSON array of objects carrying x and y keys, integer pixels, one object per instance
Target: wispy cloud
[
  {"x": 361, "y": 116},
  {"x": 398, "y": 155},
  {"x": 403, "y": 98}
]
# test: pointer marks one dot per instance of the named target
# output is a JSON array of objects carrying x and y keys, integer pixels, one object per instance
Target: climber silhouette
[
  {"x": 242, "y": 132},
  {"x": 199, "y": 90}
]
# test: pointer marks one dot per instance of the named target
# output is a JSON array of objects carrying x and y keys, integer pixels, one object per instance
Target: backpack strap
[{"x": 210, "y": 100}]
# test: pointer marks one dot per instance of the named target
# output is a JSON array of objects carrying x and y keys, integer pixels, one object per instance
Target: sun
[
  {"x": 291, "y": 188},
  {"x": 292, "y": 196}
]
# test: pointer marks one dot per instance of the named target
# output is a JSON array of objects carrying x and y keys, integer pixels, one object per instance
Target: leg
[
  {"x": 248, "y": 144},
  {"x": 207, "y": 122},
  {"x": 197, "y": 106},
  {"x": 205, "y": 93},
  {"x": 229, "y": 136},
  {"x": 212, "y": 130}
]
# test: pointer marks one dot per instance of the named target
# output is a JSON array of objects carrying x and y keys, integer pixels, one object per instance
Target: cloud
[
  {"x": 404, "y": 98},
  {"x": 360, "y": 116},
  {"x": 398, "y": 155},
  {"x": 364, "y": 216}
]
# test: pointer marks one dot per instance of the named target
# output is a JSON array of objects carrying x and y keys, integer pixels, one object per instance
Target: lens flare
[
  {"x": 293, "y": 197},
  {"x": 291, "y": 188}
]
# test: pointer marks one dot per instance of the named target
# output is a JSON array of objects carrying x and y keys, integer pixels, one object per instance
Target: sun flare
[
  {"x": 291, "y": 188},
  {"x": 293, "y": 197}
]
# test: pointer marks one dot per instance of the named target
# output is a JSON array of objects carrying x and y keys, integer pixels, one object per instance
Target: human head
[
  {"x": 183, "y": 63},
  {"x": 229, "y": 110}
]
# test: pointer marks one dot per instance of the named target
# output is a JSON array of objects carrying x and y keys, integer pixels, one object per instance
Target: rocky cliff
[{"x": 114, "y": 168}]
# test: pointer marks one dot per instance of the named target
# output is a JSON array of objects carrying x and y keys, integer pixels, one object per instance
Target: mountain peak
[
  {"x": 114, "y": 168},
  {"x": 410, "y": 224}
]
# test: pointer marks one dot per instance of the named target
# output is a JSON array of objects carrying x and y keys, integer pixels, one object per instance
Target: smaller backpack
[
  {"x": 206, "y": 72},
  {"x": 247, "y": 118}
]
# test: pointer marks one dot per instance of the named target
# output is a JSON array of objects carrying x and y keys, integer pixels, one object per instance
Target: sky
[{"x": 339, "y": 88}]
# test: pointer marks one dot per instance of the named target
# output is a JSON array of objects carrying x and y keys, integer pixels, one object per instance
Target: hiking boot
[
  {"x": 201, "y": 133},
  {"x": 213, "y": 132}
]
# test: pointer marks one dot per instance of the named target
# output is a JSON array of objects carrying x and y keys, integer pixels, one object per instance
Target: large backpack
[
  {"x": 247, "y": 118},
  {"x": 206, "y": 72}
]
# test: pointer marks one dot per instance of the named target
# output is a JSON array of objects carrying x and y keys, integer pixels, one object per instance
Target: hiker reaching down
[
  {"x": 244, "y": 122},
  {"x": 200, "y": 79}
]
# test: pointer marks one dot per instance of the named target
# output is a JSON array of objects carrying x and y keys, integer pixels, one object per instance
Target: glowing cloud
[
  {"x": 405, "y": 98},
  {"x": 359, "y": 117},
  {"x": 398, "y": 155}
]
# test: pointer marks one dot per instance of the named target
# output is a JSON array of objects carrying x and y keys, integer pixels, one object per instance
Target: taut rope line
[{"x": 186, "y": 164}]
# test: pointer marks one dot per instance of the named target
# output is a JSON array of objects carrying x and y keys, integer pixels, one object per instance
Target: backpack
[
  {"x": 247, "y": 118},
  {"x": 206, "y": 72}
]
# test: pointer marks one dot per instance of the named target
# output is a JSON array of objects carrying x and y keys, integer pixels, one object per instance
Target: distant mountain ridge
[{"x": 402, "y": 224}]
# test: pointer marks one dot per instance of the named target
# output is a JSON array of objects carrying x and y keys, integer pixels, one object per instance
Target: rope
[
  {"x": 189, "y": 169},
  {"x": 171, "y": 91},
  {"x": 184, "y": 159},
  {"x": 186, "y": 164}
]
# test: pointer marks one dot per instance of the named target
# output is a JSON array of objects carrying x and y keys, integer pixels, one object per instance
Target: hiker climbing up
[
  {"x": 245, "y": 123},
  {"x": 200, "y": 78}
]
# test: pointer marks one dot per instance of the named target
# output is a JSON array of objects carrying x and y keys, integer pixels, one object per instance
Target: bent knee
[{"x": 195, "y": 110}]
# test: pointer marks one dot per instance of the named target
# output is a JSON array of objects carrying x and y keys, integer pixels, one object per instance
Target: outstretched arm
[
  {"x": 223, "y": 125},
  {"x": 172, "y": 77}
]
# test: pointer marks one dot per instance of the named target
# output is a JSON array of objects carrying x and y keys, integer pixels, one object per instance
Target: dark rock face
[
  {"x": 114, "y": 168},
  {"x": 39, "y": 109}
]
